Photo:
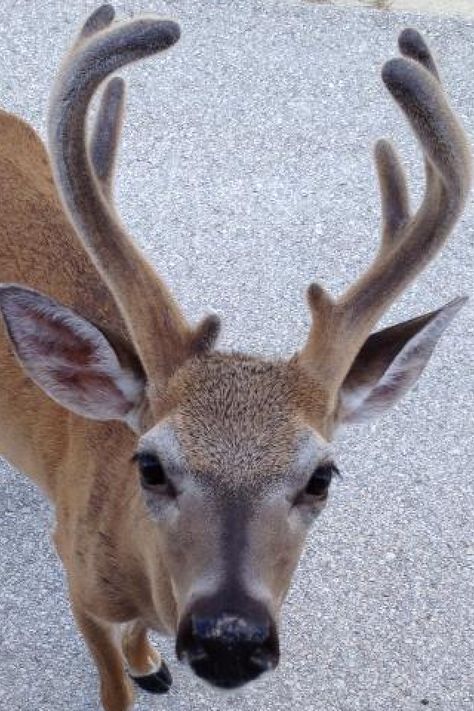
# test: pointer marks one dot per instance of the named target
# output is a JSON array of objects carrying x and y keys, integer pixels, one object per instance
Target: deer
[{"x": 185, "y": 479}]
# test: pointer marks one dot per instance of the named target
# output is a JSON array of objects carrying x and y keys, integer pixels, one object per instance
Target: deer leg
[
  {"x": 145, "y": 664},
  {"x": 115, "y": 688}
]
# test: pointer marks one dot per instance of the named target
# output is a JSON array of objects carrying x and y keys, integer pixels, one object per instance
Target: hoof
[{"x": 157, "y": 683}]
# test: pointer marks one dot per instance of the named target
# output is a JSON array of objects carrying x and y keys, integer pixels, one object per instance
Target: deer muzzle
[{"x": 228, "y": 647}]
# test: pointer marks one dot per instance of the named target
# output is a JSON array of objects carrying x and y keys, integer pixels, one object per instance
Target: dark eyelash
[
  {"x": 334, "y": 469},
  {"x": 140, "y": 456},
  {"x": 329, "y": 468}
]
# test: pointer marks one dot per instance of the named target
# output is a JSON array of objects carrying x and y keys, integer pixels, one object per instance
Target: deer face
[
  {"x": 234, "y": 476},
  {"x": 235, "y": 463}
]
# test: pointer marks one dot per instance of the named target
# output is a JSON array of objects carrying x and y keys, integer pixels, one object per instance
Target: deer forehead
[{"x": 241, "y": 418}]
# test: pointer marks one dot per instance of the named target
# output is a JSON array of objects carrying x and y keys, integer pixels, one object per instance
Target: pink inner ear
[
  {"x": 86, "y": 386},
  {"x": 56, "y": 339},
  {"x": 391, "y": 385},
  {"x": 68, "y": 357}
]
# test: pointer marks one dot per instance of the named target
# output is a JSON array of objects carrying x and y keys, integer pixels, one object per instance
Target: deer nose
[{"x": 228, "y": 650}]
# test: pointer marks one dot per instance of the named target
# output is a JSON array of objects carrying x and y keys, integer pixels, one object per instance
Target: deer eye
[
  {"x": 318, "y": 485},
  {"x": 151, "y": 470}
]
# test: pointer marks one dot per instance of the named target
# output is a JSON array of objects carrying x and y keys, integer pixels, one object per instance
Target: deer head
[{"x": 233, "y": 452}]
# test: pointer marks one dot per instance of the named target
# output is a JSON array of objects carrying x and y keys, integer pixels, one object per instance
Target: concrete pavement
[{"x": 246, "y": 172}]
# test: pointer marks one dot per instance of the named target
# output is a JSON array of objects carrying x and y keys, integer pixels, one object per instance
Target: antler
[
  {"x": 104, "y": 140},
  {"x": 83, "y": 176},
  {"x": 409, "y": 242}
]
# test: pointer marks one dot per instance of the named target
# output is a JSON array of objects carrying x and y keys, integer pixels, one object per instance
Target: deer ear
[
  {"x": 69, "y": 358},
  {"x": 389, "y": 364}
]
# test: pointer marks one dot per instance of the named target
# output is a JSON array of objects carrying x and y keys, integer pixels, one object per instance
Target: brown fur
[
  {"x": 239, "y": 416},
  {"x": 39, "y": 246},
  {"x": 98, "y": 503},
  {"x": 241, "y": 424}
]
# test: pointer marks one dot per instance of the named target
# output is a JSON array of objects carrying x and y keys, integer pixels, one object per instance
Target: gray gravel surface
[{"x": 246, "y": 172}]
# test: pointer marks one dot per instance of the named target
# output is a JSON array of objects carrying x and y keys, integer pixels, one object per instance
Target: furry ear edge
[
  {"x": 389, "y": 364},
  {"x": 69, "y": 358}
]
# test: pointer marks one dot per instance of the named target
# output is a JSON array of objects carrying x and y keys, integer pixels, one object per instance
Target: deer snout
[{"x": 228, "y": 649}]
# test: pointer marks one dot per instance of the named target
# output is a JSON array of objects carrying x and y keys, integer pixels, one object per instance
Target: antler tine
[
  {"x": 409, "y": 242},
  {"x": 445, "y": 148},
  {"x": 109, "y": 120},
  {"x": 103, "y": 154},
  {"x": 392, "y": 179},
  {"x": 161, "y": 336},
  {"x": 97, "y": 21},
  {"x": 412, "y": 45},
  {"x": 393, "y": 191},
  {"x": 105, "y": 137}
]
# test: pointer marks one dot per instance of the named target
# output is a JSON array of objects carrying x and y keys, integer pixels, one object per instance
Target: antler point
[
  {"x": 206, "y": 333},
  {"x": 318, "y": 297}
]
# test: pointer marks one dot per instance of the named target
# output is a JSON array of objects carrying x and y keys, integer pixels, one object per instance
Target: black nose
[{"x": 228, "y": 650}]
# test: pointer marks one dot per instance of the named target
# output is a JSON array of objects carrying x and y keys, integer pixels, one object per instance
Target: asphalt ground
[
  {"x": 246, "y": 172},
  {"x": 433, "y": 7}
]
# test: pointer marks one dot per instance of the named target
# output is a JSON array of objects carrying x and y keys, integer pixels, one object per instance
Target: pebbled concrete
[{"x": 246, "y": 172}]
